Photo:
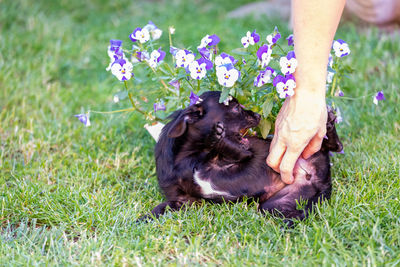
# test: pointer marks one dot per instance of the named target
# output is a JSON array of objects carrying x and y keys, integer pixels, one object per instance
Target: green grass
[{"x": 70, "y": 195}]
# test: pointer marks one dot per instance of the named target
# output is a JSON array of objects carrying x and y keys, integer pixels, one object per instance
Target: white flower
[
  {"x": 172, "y": 30},
  {"x": 197, "y": 71},
  {"x": 114, "y": 56},
  {"x": 341, "y": 48},
  {"x": 122, "y": 69},
  {"x": 247, "y": 40},
  {"x": 153, "y": 59},
  {"x": 285, "y": 89},
  {"x": 226, "y": 102},
  {"x": 141, "y": 35},
  {"x": 329, "y": 76},
  {"x": 184, "y": 58},
  {"x": 205, "y": 41},
  {"x": 227, "y": 76},
  {"x": 338, "y": 114},
  {"x": 288, "y": 66},
  {"x": 266, "y": 58},
  {"x": 154, "y": 31}
]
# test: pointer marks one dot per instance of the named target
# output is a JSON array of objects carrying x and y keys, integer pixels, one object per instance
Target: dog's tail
[{"x": 331, "y": 142}]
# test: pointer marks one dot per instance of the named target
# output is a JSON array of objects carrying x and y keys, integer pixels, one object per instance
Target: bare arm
[{"x": 301, "y": 123}]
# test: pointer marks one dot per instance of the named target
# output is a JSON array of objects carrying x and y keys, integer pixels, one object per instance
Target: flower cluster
[{"x": 260, "y": 73}]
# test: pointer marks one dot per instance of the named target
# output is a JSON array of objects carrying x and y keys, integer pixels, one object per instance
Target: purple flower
[
  {"x": 184, "y": 58},
  {"x": 159, "y": 106},
  {"x": 208, "y": 63},
  {"x": 339, "y": 93},
  {"x": 341, "y": 48},
  {"x": 227, "y": 75},
  {"x": 84, "y": 118},
  {"x": 176, "y": 84},
  {"x": 224, "y": 59},
  {"x": 209, "y": 40},
  {"x": 264, "y": 77},
  {"x": 173, "y": 50},
  {"x": 122, "y": 69},
  {"x": 141, "y": 35},
  {"x": 204, "y": 52},
  {"x": 264, "y": 55},
  {"x": 156, "y": 57},
  {"x": 379, "y": 97},
  {"x": 289, "y": 63},
  {"x": 284, "y": 85},
  {"x": 115, "y": 44},
  {"x": 244, "y": 61},
  {"x": 142, "y": 55},
  {"x": 250, "y": 39},
  {"x": 194, "y": 99},
  {"x": 290, "y": 40},
  {"x": 273, "y": 37}
]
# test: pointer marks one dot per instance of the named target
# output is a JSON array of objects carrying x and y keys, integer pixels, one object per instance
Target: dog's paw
[{"x": 219, "y": 130}]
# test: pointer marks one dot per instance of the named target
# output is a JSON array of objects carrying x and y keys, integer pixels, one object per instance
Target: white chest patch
[{"x": 207, "y": 189}]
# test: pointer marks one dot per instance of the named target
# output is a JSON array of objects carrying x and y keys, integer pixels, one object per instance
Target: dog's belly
[{"x": 208, "y": 189}]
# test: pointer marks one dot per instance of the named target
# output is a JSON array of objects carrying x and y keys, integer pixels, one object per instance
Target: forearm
[{"x": 314, "y": 24}]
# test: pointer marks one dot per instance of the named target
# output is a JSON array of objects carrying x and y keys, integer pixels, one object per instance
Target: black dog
[{"x": 202, "y": 155}]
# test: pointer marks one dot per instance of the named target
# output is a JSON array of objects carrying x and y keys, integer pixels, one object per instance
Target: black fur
[{"x": 204, "y": 139}]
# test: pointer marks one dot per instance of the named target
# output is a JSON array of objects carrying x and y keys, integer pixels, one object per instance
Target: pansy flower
[
  {"x": 224, "y": 59},
  {"x": 284, "y": 85},
  {"x": 209, "y": 40},
  {"x": 84, "y": 118},
  {"x": 194, "y": 99},
  {"x": 264, "y": 55},
  {"x": 273, "y": 37},
  {"x": 154, "y": 30},
  {"x": 290, "y": 40},
  {"x": 330, "y": 74},
  {"x": 339, "y": 93},
  {"x": 159, "y": 106},
  {"x": 250, "y": 39},
  {"x": 379, "y": 97},
  {"x": 289, "y": 63},
  {"x": 156, "y": 57},
  {"x": 227, "y": 75},
  {"x": 115, "y": 52},
  {"x": 264, "y": 77},
  {"x": 197, "y": 70},
  {"x": 341, "y": 48},
  {"x": 338, "y": 114},
  {"x": 208, "y": 63},
  {"x": 122, "y": 69},
  {"x": 176, "y": 84},
  {"x": 141, "y": 35},
  {"x": 184, "y": 58},
  {"x": 205, "y": 52}
]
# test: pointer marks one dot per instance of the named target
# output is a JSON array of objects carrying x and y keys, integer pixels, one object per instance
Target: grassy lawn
[{"x": 70, "y": 195}]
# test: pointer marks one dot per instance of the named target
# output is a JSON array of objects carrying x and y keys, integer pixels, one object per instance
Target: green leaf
[
  {"x": 265, "y": 127},
  {"x": 224, "y": 95},
  {"x": 267, "y": 107}
]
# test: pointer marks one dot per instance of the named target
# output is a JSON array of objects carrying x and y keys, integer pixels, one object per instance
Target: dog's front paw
[{"x": 219, "y": 130}]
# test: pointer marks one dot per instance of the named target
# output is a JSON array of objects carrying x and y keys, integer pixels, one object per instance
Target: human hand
[{"x": 299, "y": 130}]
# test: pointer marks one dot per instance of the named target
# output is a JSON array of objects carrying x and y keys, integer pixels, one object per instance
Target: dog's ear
[{"x": 189, "y": 115}]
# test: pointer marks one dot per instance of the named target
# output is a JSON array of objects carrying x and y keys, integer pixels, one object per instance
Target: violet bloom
[
  {"x": 141, "y": 35},
  {"x": 289, "y": 63},
  {"x": 153, "y": 30},
  {"x": 194, "y": 99},
  {"x": 341, "y": 48},
  {"x": 115, "y": 44},
  {"x": 208, "y": 63},
  {"x": 184, "y": 58},
  {"x": 159, "y": 106},
  {"x": 339, "y": 93},
  {"x": 209, "y": 40},
  {"x": 122, "y": 69},
  {"x": 227, "y": 75},
  {"x": 290, "y": 40},
  {"x": 264, "y": 55},
  {"x": 173, "y": 50},
  {"x": 250, "y": 39},
  {"x": 156, "y": 57},
  {"x": 197, "y": 70},
  {"x": 84, "y": 118},
  {"x": 204, "y": 52},
  {"x": 264, "y": 77},
  {"x": 273, "y": 37},
  {"x": 284, "y": 85},
  {"x": 115, "y": 52},
  {"x": 176, "y": 84},
  {"x": 224, "y": 59},
  {"x": 379, "y": 97}
]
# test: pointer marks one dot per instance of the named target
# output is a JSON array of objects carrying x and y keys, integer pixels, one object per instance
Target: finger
[
  {"x": 314, "y": 145},
  {"x": 277, "y": 150},
  {"x": 287, "y": 165}
]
